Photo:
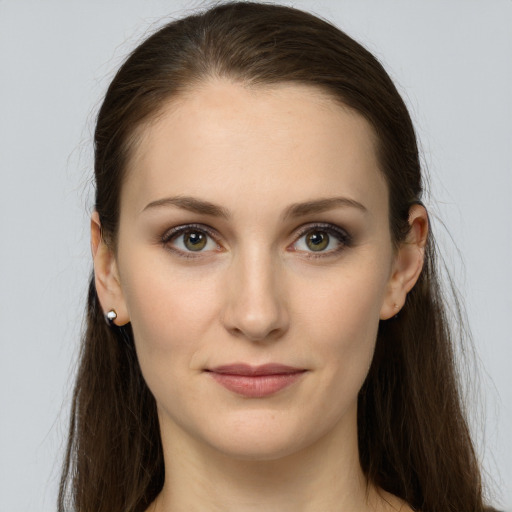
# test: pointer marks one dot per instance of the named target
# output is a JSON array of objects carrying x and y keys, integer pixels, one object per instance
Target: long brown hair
[{"x": 413, "y": 437}]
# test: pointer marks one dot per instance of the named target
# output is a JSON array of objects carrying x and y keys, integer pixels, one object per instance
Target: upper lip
[{"x": 249, "y": 370}]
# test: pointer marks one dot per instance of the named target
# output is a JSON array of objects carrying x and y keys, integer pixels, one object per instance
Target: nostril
[{"x": 266, "y": 325}]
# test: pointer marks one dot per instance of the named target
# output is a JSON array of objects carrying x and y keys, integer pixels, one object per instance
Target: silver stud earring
[{"x": 110, "y": 317}]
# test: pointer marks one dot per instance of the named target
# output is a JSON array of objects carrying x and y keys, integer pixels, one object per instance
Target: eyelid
[
  {"x": 344, "y": 238},
  {"x": 326, "y": 226},
  {"x": 177, "y": 231}
]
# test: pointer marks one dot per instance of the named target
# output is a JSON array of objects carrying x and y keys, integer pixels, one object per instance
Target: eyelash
[
  {"x": 344, "y": 239},
  {"x": 174, "y": 233}
]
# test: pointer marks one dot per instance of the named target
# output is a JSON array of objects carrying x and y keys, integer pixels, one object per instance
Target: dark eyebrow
[
  {"x": 191, "y": 204},
  {"x": 293, "y": 211},
  {"x": 321, "y": 205}
]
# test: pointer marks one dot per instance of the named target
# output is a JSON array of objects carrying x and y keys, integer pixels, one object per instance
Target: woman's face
[{"x": 254, "y": 231}]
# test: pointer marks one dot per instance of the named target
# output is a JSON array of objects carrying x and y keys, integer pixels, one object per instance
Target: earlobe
[
  {"x": 408, "y": 263},
  {"x": 106, "y": 276}
]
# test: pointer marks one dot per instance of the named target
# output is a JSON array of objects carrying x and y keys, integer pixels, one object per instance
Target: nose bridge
[{"x": 255, "y": 306}]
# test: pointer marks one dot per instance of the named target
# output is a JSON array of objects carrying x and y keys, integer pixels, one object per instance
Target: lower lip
[{"x": 256, "y": 386}]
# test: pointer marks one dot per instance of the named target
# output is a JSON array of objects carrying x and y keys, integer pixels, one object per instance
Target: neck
[{"x": 323, "y": 477}]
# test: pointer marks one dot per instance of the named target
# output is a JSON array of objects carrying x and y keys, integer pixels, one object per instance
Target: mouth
[{"x": 256, "y": 381}]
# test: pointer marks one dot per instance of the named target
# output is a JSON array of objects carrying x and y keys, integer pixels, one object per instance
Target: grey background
[{"x": 451, "y": 60}]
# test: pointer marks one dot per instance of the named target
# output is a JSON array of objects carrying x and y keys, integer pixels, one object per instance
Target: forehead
[{"x": 230, "y": 140}]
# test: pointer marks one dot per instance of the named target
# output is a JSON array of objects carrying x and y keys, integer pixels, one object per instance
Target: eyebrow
[
  {"x": 321, "y": 205},
  {"x": 190, "y": 204},
  {"x": 295, "y": 210}
]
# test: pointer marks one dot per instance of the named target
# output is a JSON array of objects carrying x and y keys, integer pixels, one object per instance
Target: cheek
[
  {"x": 170, "y": 314},
  {"x": 343, "y": 319},
  {"x": 170, "y": 311},
  {"x": 345, "y": 333},
  {"x": 346, "y": 303}
]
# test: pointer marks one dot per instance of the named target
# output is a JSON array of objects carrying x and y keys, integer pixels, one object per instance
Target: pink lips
[{"x": 256, "y": 381}]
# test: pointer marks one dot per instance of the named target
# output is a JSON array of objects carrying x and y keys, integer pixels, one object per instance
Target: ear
[
  {"x": 106, "y": 276},
  {"x": 408, "y": 263}
]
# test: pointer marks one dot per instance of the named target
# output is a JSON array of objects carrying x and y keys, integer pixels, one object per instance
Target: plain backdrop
[{"x": 452, "y": 61}]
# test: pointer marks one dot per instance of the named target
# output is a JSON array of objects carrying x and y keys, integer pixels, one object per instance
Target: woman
[{"x": 275, "y": 334}]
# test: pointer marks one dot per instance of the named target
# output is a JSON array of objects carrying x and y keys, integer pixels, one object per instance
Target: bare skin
[{"x": 287, "y": 258}]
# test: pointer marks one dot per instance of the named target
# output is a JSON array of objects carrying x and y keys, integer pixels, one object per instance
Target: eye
[
  {"x": 189, "y": 239},
  {"x": 325, "y": 239}
]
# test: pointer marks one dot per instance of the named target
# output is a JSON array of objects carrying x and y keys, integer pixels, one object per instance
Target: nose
[{"x": 255, "y": 306}]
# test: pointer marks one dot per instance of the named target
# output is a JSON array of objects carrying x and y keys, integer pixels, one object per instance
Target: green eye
[
  {"x": 317, "y": 240},
  {"x": 194, "y": 240},
  {"x": 189, "y": 239},
  {"x": 322, "y": 239}
]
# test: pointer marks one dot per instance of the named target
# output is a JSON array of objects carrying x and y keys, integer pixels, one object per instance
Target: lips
[{"x": 256, "y": 381}]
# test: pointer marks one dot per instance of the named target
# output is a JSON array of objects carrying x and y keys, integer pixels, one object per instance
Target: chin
[
  {"x": 260, "y": 438},
  {"x": 253, "y": 448}
]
